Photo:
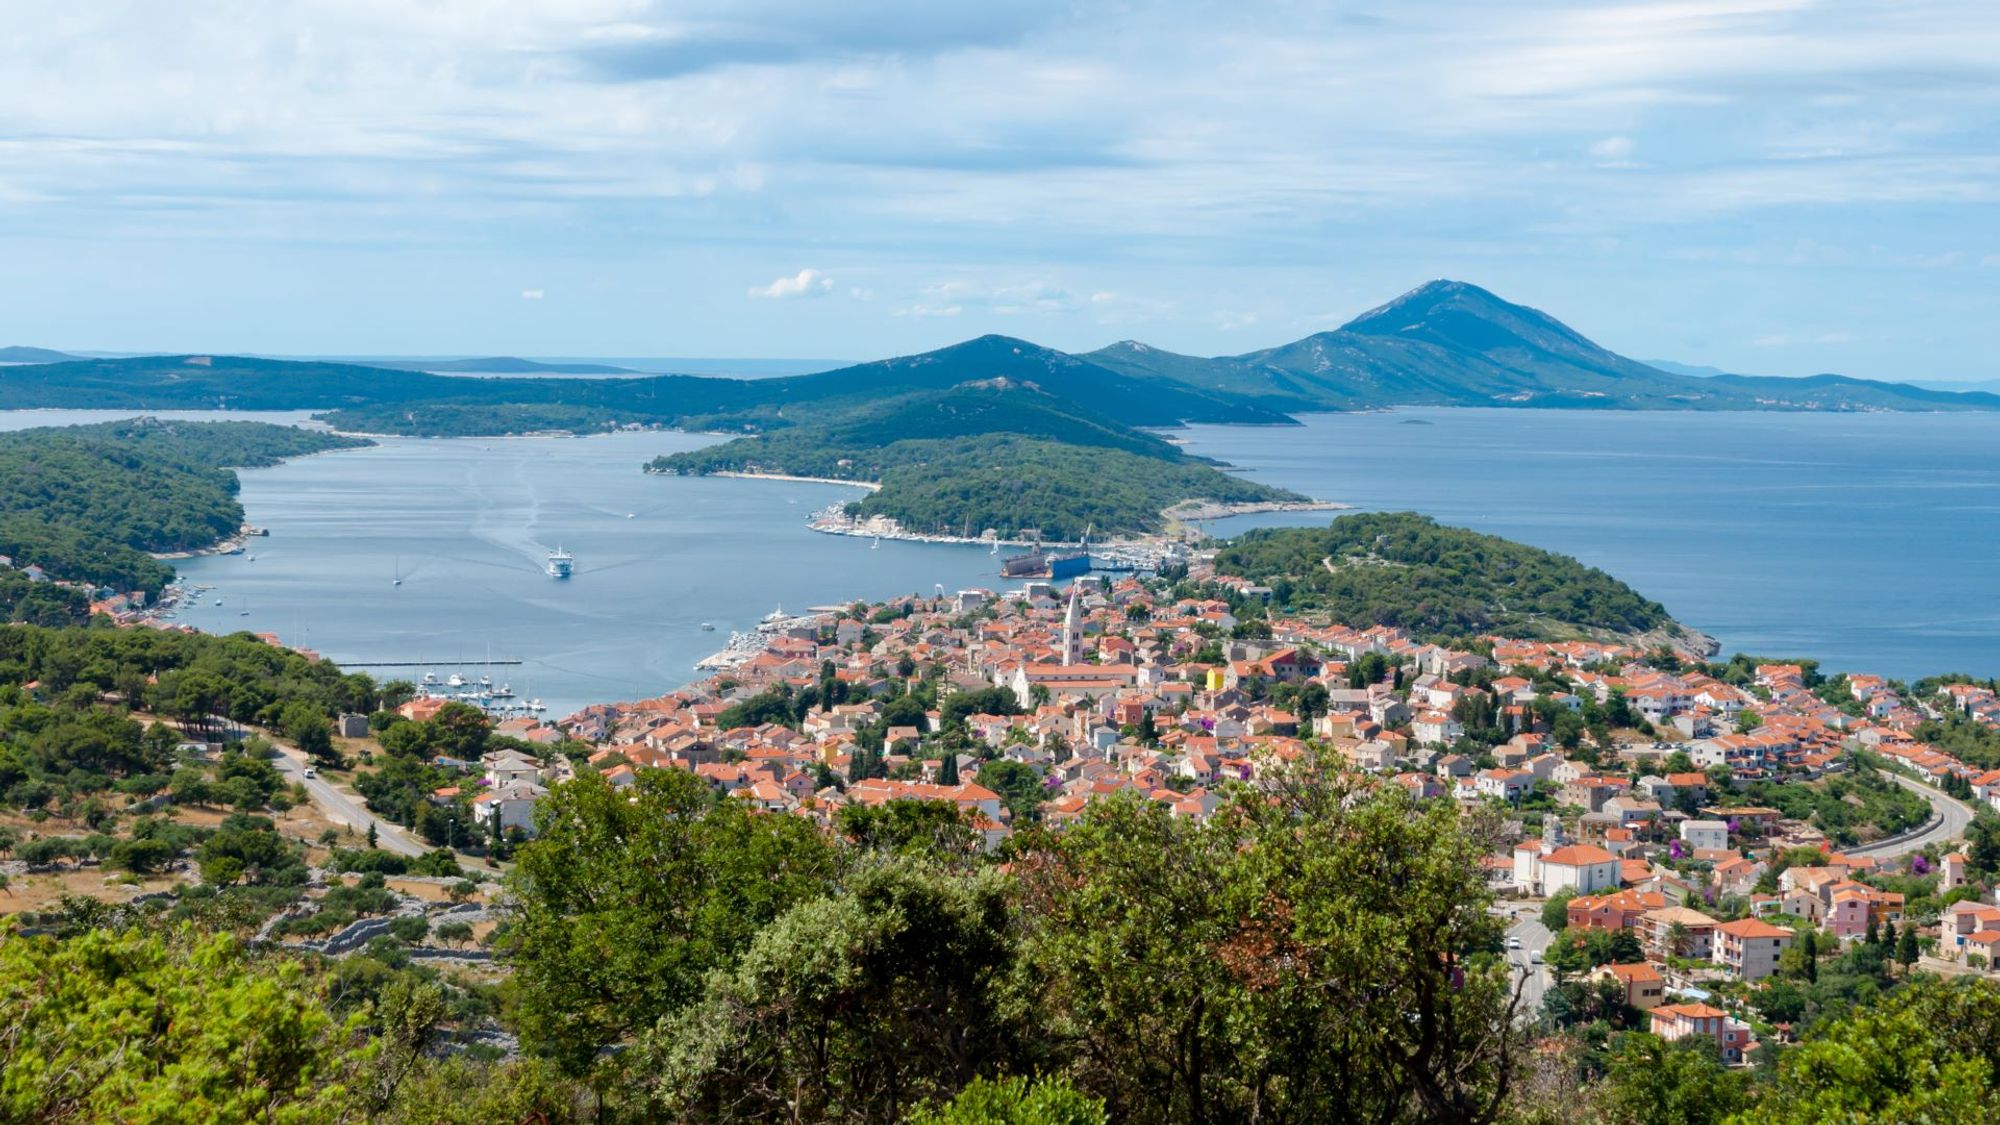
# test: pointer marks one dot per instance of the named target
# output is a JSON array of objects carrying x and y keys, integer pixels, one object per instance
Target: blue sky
[{"x": 1777, "y": 187}]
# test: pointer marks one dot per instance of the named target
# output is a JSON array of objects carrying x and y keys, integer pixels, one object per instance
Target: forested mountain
[
  {"x": 1448, "y": 343},
  {"x": 89, "y": 502},
  {"x": 996, "y": 454},
  {"x": 1403, "y": 569}
]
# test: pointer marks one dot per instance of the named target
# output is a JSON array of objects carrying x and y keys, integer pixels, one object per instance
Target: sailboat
[
  {"x": 398, "y": 579},
  {"x": 877, "y": 545}
]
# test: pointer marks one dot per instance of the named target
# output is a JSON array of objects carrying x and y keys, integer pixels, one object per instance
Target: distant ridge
[
  {"x": 1444, "y": 343},
  {"x": 1451, "y": 343},
  {"x": 501, "y": 365},
  {"x": 20, "y": 354}
]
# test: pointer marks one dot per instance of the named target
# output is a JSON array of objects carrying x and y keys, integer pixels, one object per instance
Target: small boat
[
  {"x": 877, "y": 545},
  {"x": 249, "y": 558},
  {"x": 775, "y": 616},
  {"x": 218, "y": 601},
  {"x": 560, "y": 563},
  {"x": 242, "y": 613},
  {"x": 707, "y": 627},
  {"x": 503, "y": 692},
  {"x": 456, "y": 680},
  {"x": 430, "y": 677},
  {"x": 535, "y": 705},
  {"x": 631, "y": 515},
  {"x": 398, "y": 579}
]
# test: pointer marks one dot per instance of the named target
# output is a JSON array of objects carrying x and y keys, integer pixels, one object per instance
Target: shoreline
[
  {"x": 1194, "y": 511},
  {"x": 734, "y": 474}
]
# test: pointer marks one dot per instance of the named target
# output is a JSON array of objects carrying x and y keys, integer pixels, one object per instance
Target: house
[
  {"x": 1505, "y": 785},
  {"x": 1750, "y": 947},
  {"x": 1705, "y": 835},
  {"x": 1645, "y": 989},
  {"x": 1679, "y": 932},
  {"x": 1960, "y": 921},
  {"x": 1680, "y": 1021},
  {"x": 1435, "y": 728},
  {"x": 510, "y": 806},
  {"x": 1582, "y": 868}
]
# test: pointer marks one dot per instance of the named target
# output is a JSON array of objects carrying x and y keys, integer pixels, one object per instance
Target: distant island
[{"x": 996, "y": 432}]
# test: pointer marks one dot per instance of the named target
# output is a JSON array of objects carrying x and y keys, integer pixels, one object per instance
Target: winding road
[
  {"x": 344, "y": 808},
  {"x": 1950, "y": 818}
]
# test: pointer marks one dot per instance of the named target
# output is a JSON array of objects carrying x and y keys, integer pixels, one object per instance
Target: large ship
[
  {"x": 1040, "y": 563},
  {"x": 560, "y": 563}
]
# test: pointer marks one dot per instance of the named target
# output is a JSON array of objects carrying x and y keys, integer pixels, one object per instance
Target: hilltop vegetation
[
  {"x": 996, "y": 454},
  {"x": 88, "y": 502},
  {"x": 1404, "y": 569}
]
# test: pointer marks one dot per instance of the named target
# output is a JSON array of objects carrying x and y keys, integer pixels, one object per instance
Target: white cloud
[
  {"x": 805, "y": 283},
  {"x": 531, "y": 294},
  {"x": 1614, "y": 152}
]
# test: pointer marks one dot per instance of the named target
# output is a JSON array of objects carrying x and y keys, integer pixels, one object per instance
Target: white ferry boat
[{"x": 561, "y": 563}]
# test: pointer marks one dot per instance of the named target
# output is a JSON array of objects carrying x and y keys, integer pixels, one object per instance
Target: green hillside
[
  {"x": 89, "y": 502},
  {"x": 996, "y": 454},
  {"x": 1407, "y": 570}
]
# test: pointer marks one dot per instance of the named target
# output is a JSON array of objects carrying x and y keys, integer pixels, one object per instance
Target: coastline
[
  {"x": 235, "y": 544},
  {"x": 866, "y": 485},
  {"x": 1189, "y": 511}
]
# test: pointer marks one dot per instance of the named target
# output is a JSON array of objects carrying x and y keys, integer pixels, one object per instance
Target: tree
[
  {"x": 1651, "y": 1080},
  {"x": 1318, "y": 953},
  {"x": 1906, "y": 945},
  {"x": 454, "y": 934},
  {"x": 1928, "y": 1052},
  {"x": 1015, "y": 1101},
  {"x": 1555, "y": 912},
  {"x": 628, "y": 898},
  {"x": 310, "y": 730},
  {"x": 948, "y": 768},
  {"x": 140, "y": 1024},
  {"x": 854, "y": 1007}
]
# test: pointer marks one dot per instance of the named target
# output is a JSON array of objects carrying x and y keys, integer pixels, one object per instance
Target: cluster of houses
[{"x": 1123, "y": 688}]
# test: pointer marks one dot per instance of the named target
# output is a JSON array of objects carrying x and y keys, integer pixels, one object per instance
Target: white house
[
  {"x": 1711, "y": 835},
  {"x": 1583, "y": 868}
]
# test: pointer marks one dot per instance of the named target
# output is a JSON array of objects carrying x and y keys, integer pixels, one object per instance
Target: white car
[
  {"x": 1535, "y": 958},
  {"x": 1513, "y": 943},
  {"x": 309, "y": 772}
]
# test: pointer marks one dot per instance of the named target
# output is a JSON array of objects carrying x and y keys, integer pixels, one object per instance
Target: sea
[{"x": 1870, "y": 542}]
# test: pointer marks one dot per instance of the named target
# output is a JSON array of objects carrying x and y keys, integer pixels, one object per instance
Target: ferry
[{"x": 560, "y": 564}]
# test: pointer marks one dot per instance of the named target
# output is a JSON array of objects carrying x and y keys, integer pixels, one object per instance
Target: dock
[{"x": 424, "y": 663}]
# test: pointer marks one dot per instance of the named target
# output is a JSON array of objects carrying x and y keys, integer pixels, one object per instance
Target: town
[{"x": 1677, "y": 830}]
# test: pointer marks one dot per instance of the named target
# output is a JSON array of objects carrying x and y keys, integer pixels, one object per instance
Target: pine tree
[
  {"x": 371, "y": 835},
  {"x": 948, "y": 769},
  {"x": 1906, "y": 946},
  {"x": 1873, "y": 936}
]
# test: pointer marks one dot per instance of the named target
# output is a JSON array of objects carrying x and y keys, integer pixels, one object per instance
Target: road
[
  {"x": 344, "y": 808},
  {"x": 1953, "y": 817},
  {"x": 1534, "y": 938}
]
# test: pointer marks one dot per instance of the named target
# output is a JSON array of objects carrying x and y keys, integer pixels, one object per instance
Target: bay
[
  {"x": 467, "y": 525},
  {"x": 1868, "y": 541}
]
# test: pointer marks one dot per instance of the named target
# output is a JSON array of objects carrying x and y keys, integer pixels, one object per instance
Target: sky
[{"x": 1769, "y": 186}]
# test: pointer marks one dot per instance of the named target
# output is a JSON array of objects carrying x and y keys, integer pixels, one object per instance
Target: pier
[{"x": 424, "y": 663}]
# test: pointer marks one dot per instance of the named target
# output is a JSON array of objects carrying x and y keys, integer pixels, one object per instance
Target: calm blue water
[
  {"x": 1871, "y": 542},
  {"x": 468, "y": 525}
]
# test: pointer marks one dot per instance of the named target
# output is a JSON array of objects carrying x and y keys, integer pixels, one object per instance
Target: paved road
[
  {"x": 1953, "y": 816},
  {"x": 344, "y": 808},
  {"x": 1534, "y": 938}
]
